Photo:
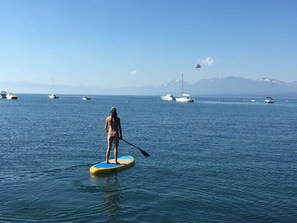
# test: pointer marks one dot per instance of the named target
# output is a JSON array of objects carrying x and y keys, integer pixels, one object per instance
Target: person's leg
[
  {"x": 109, "y": 145},
  {"x": 116, "y": 145}
]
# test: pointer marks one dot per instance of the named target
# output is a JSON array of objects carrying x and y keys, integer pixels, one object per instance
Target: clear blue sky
[{"x": 113, "y": 43}]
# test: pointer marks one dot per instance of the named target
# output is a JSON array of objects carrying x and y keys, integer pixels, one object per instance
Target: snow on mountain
[{"x": 274, "y": 81}]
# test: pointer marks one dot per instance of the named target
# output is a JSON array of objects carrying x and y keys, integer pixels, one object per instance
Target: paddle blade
[{"x": 144, "y": 153}]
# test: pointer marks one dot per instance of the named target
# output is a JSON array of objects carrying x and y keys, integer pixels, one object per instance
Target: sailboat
[
  {"x": 86, "y": 98},
  {"x": 11, "y": 96},
  {"x": 52, "y": 95},
  {"x": 184, "y": 97}
]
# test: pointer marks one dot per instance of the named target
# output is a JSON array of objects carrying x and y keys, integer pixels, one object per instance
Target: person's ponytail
[{"x": 114, "y": 115}]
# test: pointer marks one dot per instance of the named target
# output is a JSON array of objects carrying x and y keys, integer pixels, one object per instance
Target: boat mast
[
  {"x": 182, "y": 84},
  {"x": 52, "y": 85}
]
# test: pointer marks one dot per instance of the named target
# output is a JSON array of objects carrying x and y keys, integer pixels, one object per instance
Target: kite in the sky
[{"x": 197, "y": 65}]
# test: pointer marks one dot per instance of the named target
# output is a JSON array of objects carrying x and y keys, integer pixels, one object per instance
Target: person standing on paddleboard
[{"x": 114, "y": 133}]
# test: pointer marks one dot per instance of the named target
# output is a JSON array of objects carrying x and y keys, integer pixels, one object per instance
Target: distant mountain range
[
  {"x": 241, "y": 86},
  {"x": 233, "y": 86}
]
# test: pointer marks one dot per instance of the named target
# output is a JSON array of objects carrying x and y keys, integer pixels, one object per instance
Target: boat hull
[
  {"x": 168, "y": 97},
  {"x": 53, "y": 96},
  {"x": 183, "y": 99},
  {"x": 12, "y": 98}
]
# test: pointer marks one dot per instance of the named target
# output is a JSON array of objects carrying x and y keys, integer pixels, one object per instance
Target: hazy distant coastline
[{"x": 216, "y": 86}]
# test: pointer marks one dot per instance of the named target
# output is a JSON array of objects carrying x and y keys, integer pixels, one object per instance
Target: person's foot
[{"x": 107, "y": 162}]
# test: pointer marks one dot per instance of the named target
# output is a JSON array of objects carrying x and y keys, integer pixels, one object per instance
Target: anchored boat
[
  {"x": 52, "y": 95},
  {"x": 269, "y": 100},
  {"x": 11, "y": 96},
  {"x": 168, "y": 97},
  {"x": 184, "y": 97}
]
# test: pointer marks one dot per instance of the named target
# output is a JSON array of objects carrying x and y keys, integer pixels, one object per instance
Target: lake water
[{"x": 211, "y": 161}]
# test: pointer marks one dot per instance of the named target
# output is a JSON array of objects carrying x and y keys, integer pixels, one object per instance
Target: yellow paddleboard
[{"x": 103, "y": 167}]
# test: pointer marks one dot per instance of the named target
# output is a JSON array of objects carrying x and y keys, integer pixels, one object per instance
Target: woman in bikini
[{"x": 114, "y": 133}]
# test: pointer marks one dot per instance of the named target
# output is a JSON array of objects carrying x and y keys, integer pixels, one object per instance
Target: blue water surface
[{"x": 214, "y": 160}]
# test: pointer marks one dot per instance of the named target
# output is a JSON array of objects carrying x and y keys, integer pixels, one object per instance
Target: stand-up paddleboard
[{"x": 103, "y": 167}]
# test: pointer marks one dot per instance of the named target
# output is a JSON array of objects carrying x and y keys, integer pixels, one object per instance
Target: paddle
[{"x": 142, "y": 151}]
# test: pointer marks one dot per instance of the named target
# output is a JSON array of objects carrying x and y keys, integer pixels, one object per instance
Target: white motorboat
[
  {"x": 11, "y": 96},
  {"x": 269, "y": 100},
  {"x": 52, "y": 95},
  {"x": 85, "y": 98},
  {"x": 168, "y": 97},
  {"x": 184, "y": 97},
  {"x": 3, "y": 94}
]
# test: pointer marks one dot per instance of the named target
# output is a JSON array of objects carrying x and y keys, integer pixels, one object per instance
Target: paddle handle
[
  {"x": 130, "y": 143},
  {"x": 141, "y": 150}
]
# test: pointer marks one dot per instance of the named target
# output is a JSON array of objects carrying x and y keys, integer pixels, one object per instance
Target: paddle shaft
[{"x": 141, "y": 150}]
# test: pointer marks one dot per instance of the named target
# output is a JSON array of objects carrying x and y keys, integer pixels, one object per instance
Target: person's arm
[
  {"x": 106, "y": 125},
  {"x": 120, "y": 129}
]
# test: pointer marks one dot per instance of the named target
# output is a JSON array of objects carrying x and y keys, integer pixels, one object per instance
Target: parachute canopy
[{"x": 197, "y": 65}]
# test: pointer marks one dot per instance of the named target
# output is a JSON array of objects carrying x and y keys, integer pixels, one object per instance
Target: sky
[{"x": 120, "y": 43}]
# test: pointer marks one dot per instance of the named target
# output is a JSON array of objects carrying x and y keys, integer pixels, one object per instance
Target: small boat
[
  {"x": 85, "y": 98},
  {"x": 52, "y": 95},
  {"x": 184, "y": 97},
  {"x": 253, "y": 100},
  {"x": 168, "y": 97},
  {"x": 269, "y": 100},
  {"x": 3, "y": 94},
  {"x": 11, "y": 96}
]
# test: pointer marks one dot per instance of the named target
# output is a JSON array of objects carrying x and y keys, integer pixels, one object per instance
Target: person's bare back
[{"x": 112, "y": 125}]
